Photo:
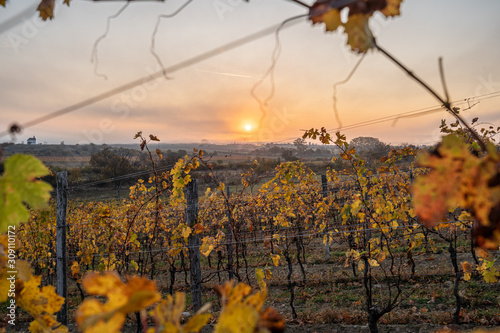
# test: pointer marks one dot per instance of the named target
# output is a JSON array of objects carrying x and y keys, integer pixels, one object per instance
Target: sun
[{"x": 248, "y": 127}]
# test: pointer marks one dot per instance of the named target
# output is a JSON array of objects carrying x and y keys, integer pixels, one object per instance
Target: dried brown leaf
[{"x": 46, "y": 9}]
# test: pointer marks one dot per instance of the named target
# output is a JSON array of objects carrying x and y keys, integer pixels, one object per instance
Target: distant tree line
[{"x": 112, "y": 164}]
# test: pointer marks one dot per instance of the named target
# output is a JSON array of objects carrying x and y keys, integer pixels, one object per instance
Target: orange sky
[{"x": 46, "y": 66}]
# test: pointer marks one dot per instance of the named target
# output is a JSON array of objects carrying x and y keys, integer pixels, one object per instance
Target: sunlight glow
[{"x": 248, "y": 127}]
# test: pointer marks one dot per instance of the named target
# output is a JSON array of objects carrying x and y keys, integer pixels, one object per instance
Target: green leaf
[{"x": 19, "y": 187}]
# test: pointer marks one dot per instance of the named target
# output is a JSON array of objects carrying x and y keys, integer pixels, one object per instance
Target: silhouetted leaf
[
  {"x": 359, "y": 35},
  {"x": 46, "y": 9}
]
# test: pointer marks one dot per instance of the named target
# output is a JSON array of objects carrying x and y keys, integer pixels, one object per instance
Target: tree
[
  {"x": 300, "y": 144},
  {"x": 169, "y": 158},
  {"x": 370, "y": 148},
  {"x": 109, "y": 164},
  {"x": 288, "y": 155},
  {"x": 75, "y": 175}
]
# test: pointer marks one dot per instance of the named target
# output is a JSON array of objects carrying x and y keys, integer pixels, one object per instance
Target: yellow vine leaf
[
  {"x": 4, "y": 287},
  {"x": 207, "y": 245},
  {"x": 268, "y": 273},
  {"x": 103, "y": 212},
  {"x": 259, "y": 275},
  {"x": 141, "y": 293},
  {"x": 92, "y": 317},
  {"x": 22, "y": 267},
  {"x": 122, "y": 298},
  {"x": 276, "y": 259},
  {"x": 353, "y": 254},
  {"x": 167, "y": 315},
  {"x": 373, "y": 263},
  {"x": 242, "y": 312},
  {"x": 196, "y": 323},
  {"x": 380, "y": 257},
  {"x": 489, "y": 272},
  {"x": 326, "y": 239},
  {"x": 39, "y": 301},
  {"x": 180, "y": 178},
  {"x": 75, "y": 269},
  {"x": 490, "y": 277},
  {"x": 186, "y": 232},
  {"x": 47, "y": 323},
  {"x": 237, "y": 318},
  {"x": 466, "y": 266},
  {"x": 355, "y": 207}
]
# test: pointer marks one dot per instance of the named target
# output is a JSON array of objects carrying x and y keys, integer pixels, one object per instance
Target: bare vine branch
[
  {"x": 335, "y": 110},
  {"x": 301, "y": 3},
  {"x": 94, "y": 57},
  {"x": 155, "y": 31},
  {"x": 270, "y": 71}
]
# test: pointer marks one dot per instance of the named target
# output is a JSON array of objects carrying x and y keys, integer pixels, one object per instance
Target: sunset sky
[{"x": 45, "y": 67}]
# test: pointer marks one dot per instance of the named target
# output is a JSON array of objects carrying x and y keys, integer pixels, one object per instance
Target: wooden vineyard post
[
  {"x": 230, "y": 238},
  {"x": 194, "y": 243},
  {"x": 368, "y": 228},
  {"x": 62, "y": 207},
  {"x": 324, "y": 193}
]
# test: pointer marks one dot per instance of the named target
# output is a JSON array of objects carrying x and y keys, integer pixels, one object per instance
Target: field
[
  {"x": 332, "y": 299},
  {"x": 378, "y": 255}
]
